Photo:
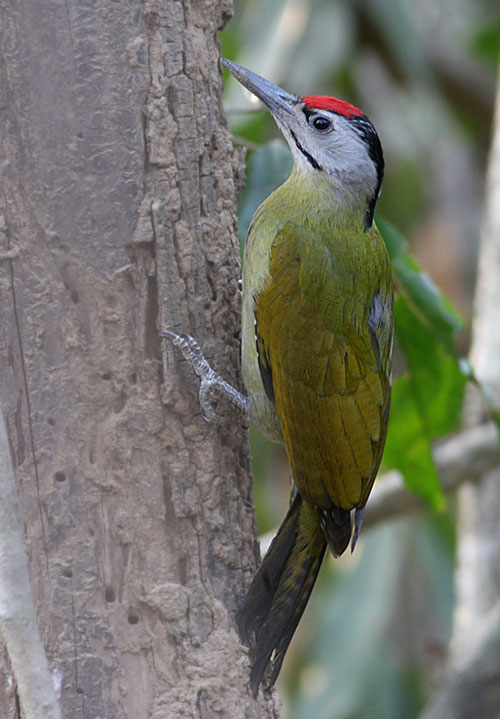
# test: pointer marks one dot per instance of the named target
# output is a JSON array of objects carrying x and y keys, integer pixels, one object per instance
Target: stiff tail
[
  {"x": 280, "y": 590},
  {"x": 336, "y": 525}
]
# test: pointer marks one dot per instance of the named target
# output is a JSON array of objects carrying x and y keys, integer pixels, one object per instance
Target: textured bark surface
[{"x": 118, "y": 208}]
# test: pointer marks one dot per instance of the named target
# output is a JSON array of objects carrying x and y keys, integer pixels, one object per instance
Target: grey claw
[
  {"x": 208, "y": 411},
  {"x": 193, "y": 354}
]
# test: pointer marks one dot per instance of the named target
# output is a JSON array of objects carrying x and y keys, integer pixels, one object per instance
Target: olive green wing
[{"x": 323, "y": 339}]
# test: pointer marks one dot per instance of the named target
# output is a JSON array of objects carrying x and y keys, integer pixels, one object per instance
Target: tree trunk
[{"x": 118, "y": 208}]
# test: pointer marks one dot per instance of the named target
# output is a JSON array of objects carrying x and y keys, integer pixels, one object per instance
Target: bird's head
[{"x": 325, "y": 135}]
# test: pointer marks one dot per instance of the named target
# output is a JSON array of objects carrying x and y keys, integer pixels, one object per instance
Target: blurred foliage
[
  {"x": 372, "y": 642},
  {"x": 378, "y": 618},
  {"x": 427, "y": 397}
]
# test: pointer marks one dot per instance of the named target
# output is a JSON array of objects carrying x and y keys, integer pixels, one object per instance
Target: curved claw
[
  {"x": 193, "y": 354},
  {"x": 203, "y": 395}
]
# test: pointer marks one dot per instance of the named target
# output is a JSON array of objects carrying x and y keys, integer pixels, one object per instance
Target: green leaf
[
  {"x": 435, "y": 377},
  {"x": 486, "y": 43},
  {"x": 427, "y": 301},
  {"x": 408, "y": 448},
  {"x": 427, "y": 399}
]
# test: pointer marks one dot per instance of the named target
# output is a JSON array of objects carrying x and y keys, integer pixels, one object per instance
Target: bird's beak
[{"x": 276, "y": 99}]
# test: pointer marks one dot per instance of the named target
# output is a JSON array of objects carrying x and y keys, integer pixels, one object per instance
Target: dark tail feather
[
  {"x": 336, "y": 525},
  {"x": 280, "y": 590}
]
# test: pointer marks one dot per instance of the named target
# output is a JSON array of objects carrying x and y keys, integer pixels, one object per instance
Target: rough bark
[
  {"x": 118, "y": 207},
  {"x": 18, "y": 625}
]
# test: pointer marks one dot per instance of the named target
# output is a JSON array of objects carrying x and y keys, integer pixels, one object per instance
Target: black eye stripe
[{"x": 306, "y": 154}]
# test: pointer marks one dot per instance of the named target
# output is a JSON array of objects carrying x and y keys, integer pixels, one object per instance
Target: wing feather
[{"x": 330, "y": 379}]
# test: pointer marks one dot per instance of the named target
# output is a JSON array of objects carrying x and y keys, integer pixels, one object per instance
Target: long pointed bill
[{"x": 276, "y": 99}]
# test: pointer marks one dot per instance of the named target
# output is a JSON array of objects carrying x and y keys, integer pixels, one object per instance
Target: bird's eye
[{"x": 321, "y": 123}]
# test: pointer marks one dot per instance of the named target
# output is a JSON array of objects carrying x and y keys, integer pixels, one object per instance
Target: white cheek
[
  {"x": 342, "y": 156},
  {"x": 350, "y": 166}
]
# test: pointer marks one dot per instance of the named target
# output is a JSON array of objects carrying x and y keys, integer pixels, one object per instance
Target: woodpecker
[
  {"x": 317, "y": 334},
  {"x": 317, "y": 329}
]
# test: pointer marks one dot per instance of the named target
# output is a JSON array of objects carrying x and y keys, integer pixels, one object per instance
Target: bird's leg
[
  {"x": 209, "y": 379},
  {"x": 358, "y": 521}
]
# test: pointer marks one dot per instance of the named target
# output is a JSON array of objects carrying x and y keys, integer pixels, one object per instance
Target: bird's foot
[{"x": 209, "y": 379}]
